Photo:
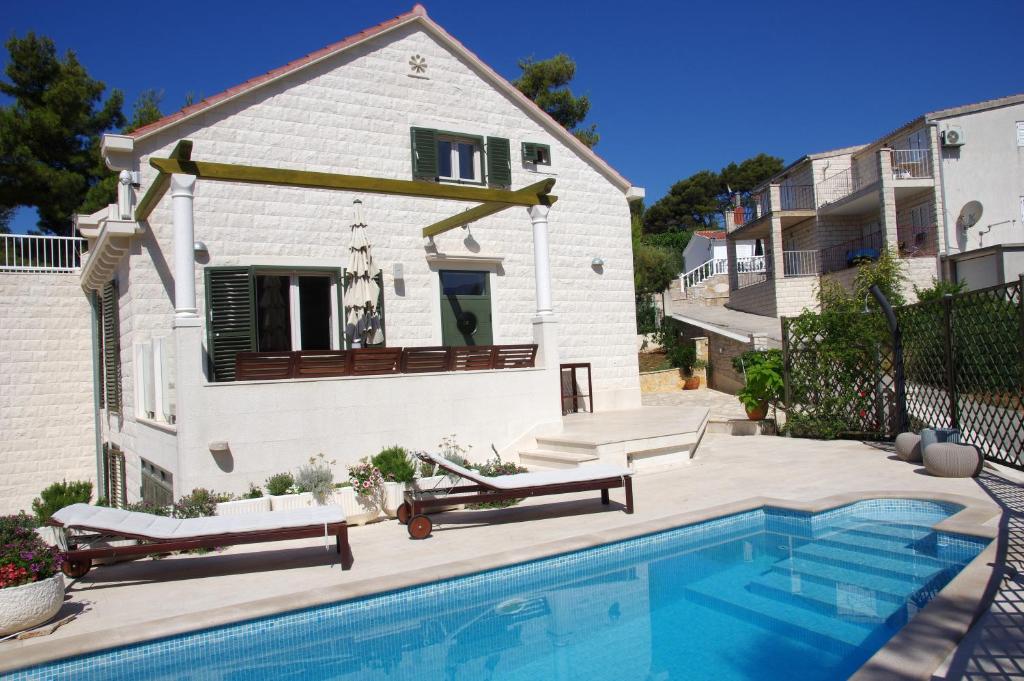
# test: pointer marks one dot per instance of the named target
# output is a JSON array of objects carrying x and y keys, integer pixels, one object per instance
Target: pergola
[{"x": 179, "y": 172}]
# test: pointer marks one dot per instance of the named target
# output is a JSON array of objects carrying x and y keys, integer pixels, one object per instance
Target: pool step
[
  {"x": 867, "y": 527},
  {"x": 873, "y": 544},
  {"x": 835, "y": 599},
  {"x": 813, "y": 628},
  {"x": 890, "y": 588},
  {"x": 888, "y": 565}
]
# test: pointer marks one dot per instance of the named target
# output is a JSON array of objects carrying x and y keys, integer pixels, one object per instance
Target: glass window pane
[
  {"x": 467, "y": 169},
  {"x": 463, "y": 283},
  {"x": 315, "y": 312},
  {"x": 273, "y": 314},
  {"x": 444, "y": 159}
]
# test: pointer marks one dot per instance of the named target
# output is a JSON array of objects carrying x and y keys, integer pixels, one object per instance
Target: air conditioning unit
[{"x": 953, "y": 136}]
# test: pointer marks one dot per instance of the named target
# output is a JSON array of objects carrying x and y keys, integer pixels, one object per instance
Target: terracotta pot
[
  {"x": 691, "y": 382},
  {"x": 757, "y": 413}
]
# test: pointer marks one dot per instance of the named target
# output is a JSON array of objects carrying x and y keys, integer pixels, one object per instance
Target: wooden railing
[{"x": 272, "y": 366}]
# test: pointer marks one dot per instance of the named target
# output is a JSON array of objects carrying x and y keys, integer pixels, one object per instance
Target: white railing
[
  {"x": 752, "y": 270},
  {"x": 40, "y": 253},
  {"x": 911, "y": 163},
  {"x": 800, "y": 263},
  {"x": 703, "y": 272}
]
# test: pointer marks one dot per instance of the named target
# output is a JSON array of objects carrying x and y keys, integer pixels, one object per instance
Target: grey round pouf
[
  {"x": 908, "y": 447},
  {"x": 950, "y": 460}
]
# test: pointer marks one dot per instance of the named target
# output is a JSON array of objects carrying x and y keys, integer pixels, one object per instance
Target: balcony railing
[
  {"x": 791, "y": 197},
  {"x": 916, "y": 241},
  {"x": 40, "y": 253},
  {"x": 848, "y": 253},
  {"x": 752, "y": 270},
  {"x": 800, "y": 263},
  {"x": 704, "y": 271},
  {"x": 911, "y": 163}
]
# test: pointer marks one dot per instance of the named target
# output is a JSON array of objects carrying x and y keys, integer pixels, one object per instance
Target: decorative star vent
[{"x": 418, "y": 64}]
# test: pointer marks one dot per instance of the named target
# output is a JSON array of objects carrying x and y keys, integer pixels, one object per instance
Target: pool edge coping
[{"x": 934, "y": 632}]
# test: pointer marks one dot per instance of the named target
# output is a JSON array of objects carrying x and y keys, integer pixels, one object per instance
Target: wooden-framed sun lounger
[
  {"x": 504, "y": 487},
  {"x": 157, "y": 534}
]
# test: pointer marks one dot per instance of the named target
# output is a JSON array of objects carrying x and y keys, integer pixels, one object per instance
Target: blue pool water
[{"x": 765, "y": 594}]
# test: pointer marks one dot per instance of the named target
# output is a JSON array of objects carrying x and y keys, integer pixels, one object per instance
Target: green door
[{"x": 465, "y": 308}]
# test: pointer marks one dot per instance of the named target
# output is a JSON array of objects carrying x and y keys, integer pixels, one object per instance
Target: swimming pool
[{"x": 769, "y": 593}]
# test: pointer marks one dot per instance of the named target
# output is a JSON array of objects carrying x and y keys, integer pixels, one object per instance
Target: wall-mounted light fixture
[
  {"x": 398, "y": 271},
  {"x": 598, "y": 261},
  {"x": 200, "y": 247},
  {"x": 219, "y": 446}
]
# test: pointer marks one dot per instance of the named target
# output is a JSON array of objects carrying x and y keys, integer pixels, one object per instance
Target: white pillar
[
  {"x": 182, "y": 194},
  {"x": 541, "y": 262}
]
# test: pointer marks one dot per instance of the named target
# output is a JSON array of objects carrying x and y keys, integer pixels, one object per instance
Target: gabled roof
[
  {"x": 418, "y": 14},
  {"x": 711, "y": 233},
  {"x": 1009, "y": 100}
]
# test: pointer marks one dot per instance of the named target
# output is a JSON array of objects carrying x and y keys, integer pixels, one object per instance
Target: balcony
[
  {"x": 791, "y": 198},
  {"x": 855, "y": 190},
  {"x": 849, "y": 253},
  {"x": 758, "y": 268},
  {"x": 40, "y": 253}
]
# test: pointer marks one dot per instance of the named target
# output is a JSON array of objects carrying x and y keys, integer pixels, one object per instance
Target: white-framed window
[
  {"x": 154, "y": 380},
  {"x": 145, "y": 392},
  {"x": 296, "y": 311},
  {"x": 459, "y": 158},
  {"x": 1020, "y": 133}
]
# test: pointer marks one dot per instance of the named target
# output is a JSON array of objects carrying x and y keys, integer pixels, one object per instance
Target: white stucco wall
[
  {"x": 352, "y": 114},
  {"x": 988, "y": 168},
  {"x": 46, "y": 386}
]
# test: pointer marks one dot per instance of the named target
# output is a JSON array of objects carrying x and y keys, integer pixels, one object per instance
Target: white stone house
[
  {"x": 904, "y": 191},
  {"x": 221, "y": 267},
  {"x": 706, "y": 255}
]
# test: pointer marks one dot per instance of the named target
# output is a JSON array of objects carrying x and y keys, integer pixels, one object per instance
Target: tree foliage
[
  {"x": 696, "y": 202},
  {"x": 546, "y": 82},
  {"x": 50, "y": 133},
  {"x": 654, "y": 267}
]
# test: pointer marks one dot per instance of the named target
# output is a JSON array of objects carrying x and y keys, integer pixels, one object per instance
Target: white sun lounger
[
  {"x": 157, "y": 534},
  {"x": 503, "y": 487}
]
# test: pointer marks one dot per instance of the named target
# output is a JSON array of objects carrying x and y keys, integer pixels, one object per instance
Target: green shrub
[
  {"x": 200, "y": 503},
  {"x": 938, "y": 289},
  {"x": 61, "y": 494},
  {"x": 253, "y": 493},
  {"x": 152, "y": 509},
  {"x": 395, "y": 464},
  {"x": 279, "y": 483},
  {"x": 493, "y": 468},
  {"x": 316, "y": 477},
  {"x": 813, "y": 426}
]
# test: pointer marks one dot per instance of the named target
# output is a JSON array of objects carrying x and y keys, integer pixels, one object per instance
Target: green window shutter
[
  {"x": 117, "y": 489},
  {"x": 499, "y": 162},
  {"x": 424, "y": 153},
  {"x": 97, "y": 309},
  {"x": 230, "y": 318},
  {"x": 111, "y": 349},
  {"x": 379, "y": 278},
  {"x": 530, "y": 152}
]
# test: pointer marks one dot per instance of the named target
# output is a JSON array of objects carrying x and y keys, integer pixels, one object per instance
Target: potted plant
[
  {"x": 398, "y": 470},
  {"x": 684, "y": 358},
  {"x": 252, "y": 501},
  {"x": 31, "y": 584},
  {"x": 764, "y": 384},
  {"x": 360, "y": 497},
  {"x": 284, "y": 495}
]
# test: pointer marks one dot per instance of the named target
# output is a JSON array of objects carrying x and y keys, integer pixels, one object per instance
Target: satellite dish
[{"x": 969, "y": 215}]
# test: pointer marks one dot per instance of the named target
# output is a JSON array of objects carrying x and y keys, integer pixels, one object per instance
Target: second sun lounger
[
  {"x": 157, "y": 534},
  {"x": 505, "y": 487}
]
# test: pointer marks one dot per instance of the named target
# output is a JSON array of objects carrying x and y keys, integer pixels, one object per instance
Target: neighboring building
[
  {"x": 708, "y": 246},
  {"x": 181, "y": 285},
  {"x": 904, "y": 191}
]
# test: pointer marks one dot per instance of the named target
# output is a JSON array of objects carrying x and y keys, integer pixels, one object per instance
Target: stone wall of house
[
  {"x": 756, "y": 299},
  {"x": 352, "y": 113},
  {"x": 46, "y": 386},
  {"x": 794, "y": 294}
]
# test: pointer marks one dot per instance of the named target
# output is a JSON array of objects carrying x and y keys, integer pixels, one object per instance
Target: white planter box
[
  {"x": 257, "y": 505},
  {"x": 358, "y": 510},
  {"x": 394, "y": 495},
  {"x": 287, "y": 502},
  {"x": 438, "y": 483},
  {"x": 24, "y": 607}
]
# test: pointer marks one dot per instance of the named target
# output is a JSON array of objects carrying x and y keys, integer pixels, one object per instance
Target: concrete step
[
  {"x": 741, "y": 427},
  {"x": 547, "y": 459}
]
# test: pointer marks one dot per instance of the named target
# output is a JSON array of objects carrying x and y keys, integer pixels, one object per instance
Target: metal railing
[
  {"x": 800, "y": 263},
  {"x": 757, "y": 205},
  {"x": 40, "y": 253},
  {"x": 703, "y": 272},
  {"x": 753, "y": 269},
  {"x": 797, "y": 196},
  {"x": 848, "y": 253},
  {"x": 846, "y": 182},
  {"x": 916, "y": 241},
  {"x": 911, "y": 163}
]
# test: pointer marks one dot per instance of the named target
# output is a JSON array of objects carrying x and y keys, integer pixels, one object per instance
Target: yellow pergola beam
[
  {"x": 182, "y": 152},
  {"x": 483, "y": 210}
]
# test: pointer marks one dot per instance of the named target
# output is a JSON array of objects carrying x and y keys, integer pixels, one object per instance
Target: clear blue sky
[{"x": 676, "y": 87}]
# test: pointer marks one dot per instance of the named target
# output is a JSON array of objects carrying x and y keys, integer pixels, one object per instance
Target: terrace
[{"x": 857, "y": 189}]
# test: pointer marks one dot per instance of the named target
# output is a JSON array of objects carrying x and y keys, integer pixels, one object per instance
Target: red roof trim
[
  {"x": 711, "y": 233},
  {"x": 417, "y": 11}
]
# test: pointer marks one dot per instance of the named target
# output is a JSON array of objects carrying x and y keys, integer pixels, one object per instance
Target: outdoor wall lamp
[
  {"x": 200, "y": 247},
  {"x": 399, "y": 271},
  {"x": 598, "y": 261}
]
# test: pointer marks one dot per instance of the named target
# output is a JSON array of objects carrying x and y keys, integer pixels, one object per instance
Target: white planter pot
[
  {"x": 258, "y": 505},
  {"x": 394, "y": 495},
  {"x": 24, "y": 607},
  {"x": 358, "y": 510},
  {"x": 287, "y": 502}
]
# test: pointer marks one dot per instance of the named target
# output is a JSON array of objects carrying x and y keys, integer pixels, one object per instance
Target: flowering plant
[
  {"x": 24, "y": 558},
  {"x": 366, "y": 478}
]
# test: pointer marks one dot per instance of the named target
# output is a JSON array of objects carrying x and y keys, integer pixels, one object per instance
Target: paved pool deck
[{"x": 148, "y": 598}]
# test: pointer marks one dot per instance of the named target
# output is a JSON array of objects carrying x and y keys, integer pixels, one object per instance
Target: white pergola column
[
  {"x": 182, "y": 195},
  {"x": 541, "y": 261}
]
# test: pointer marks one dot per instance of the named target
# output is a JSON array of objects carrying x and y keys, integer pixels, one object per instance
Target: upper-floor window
[
  {"x": 443, "y": 156},
  {"x": 459, "y": 158}
]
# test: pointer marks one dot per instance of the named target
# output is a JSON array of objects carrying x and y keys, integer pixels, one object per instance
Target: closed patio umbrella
[{"x": 362, "y": 320}]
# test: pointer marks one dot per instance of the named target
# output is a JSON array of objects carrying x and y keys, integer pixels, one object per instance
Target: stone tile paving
[{"x": 722, "y": 405}]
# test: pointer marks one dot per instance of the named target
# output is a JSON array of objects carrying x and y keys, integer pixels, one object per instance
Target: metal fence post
[{"x": 947, "y": 310}]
